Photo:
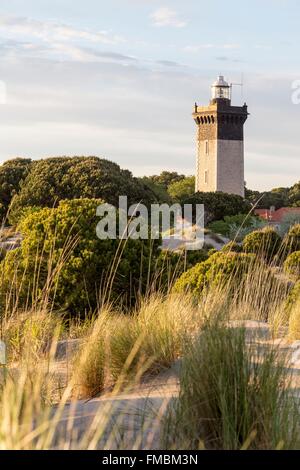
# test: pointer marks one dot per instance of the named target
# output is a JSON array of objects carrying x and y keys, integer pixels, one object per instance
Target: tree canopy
[
  {"x": 12, "y": 173},
  {"x": 166, "y": 178},
  {"x": 55, "y": 179},
  {"x": 277, "y": 197},
  {"x": 218, "y": 205},
  {"x": 182, "y": 189}
]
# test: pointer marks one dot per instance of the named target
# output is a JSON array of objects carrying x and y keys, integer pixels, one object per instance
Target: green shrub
[
  {"x": 61, "y": 261},
  {"x": 231, "y": 225},
  {"x": 288, "y": 221},
  {"x": 232, "y": 246},
  {"x": 265, "y": 243},
  {"x": 292, "y": 264},
  {"x": 2, "y": 253},
  {"x": 217, "y": 270},
  {"x": 12, "y": 173},
  {"x": 170, "y": 265},
  {"x": 291, "y": 241},
  {"x": 294, "y": 296}
]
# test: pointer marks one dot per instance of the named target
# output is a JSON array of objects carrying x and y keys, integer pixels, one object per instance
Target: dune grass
[
  {"x": 294, "y": 322},
  {"x": 230, "y": 398},
  {"x": 154, "y": 336},
  {"x": 29, "y": 334}
]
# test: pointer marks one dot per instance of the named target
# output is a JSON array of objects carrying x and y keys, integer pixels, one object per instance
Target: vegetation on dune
[
  {"x": 61, "y": 258},
  {"x": 170, "y": 265},
  {"x": 218, "y": 269},
  {"x": 236, "y": 227},
  {"x": 231, "y": 400},
  {"x": 135, "y": 309},
  {"x": 265, "y": 243},
  {"x": 28, "y": 334},
  {"x": 248, "y": 283},
  {"x": 123, "y": 348},
  {"x": 292, "y": 264},
  {"x": 222, "y": 386},
  {"x": 291, "y": 240},
  {"x": 233, "y": 247}
]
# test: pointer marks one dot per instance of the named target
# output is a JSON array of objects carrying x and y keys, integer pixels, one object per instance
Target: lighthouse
[{"x": 220, "y": 142}]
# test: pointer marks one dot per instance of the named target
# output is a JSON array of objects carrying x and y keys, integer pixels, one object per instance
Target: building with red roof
[{"x": 276, "y": 216}]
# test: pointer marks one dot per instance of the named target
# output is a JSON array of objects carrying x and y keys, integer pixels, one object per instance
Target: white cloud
[
  {"x": 164, "y": 16},
  {"x": 27, "y": 37},
  {"x": 48, "y": 31}
]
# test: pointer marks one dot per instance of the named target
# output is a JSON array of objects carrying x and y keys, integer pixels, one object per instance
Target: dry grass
[
  {"x": 28, "y": 335},
  {"x": 154, "y": 336},
  {"x": 294, "y": 322}
]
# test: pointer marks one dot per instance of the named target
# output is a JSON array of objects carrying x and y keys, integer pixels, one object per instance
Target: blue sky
[{"x": 118, "y": 79}]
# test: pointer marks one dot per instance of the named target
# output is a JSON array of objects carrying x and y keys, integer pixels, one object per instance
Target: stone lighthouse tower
[{"x": 220, "y": 142}]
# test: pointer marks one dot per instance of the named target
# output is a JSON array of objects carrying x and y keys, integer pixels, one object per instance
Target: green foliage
[
  {"x": 292, "y": 264},
  {"x": 12, "y": 173},
  {"x": 2, "y": 253},
  {"x": 231, "y": 225},
  {"x": 277, "y": 197},
  {"x": 181, "y": 190},
  {"x": 166, "y": 178},
  {"x": 217, "y": 270},
  {"x": 294, "y": 298},
  {"x": 291, "y": 241},
  {"x": 61, "y": 255},
  {"x": 232, "y": 246},
  {"x": 29, "y": 335},
  {"x": 170, "y": 265},
  {"x": 294, "y": 195},
  {"x": 159, "y": 191},
  {"x": 288, "y": 221},
  {"x": 265, "y": 243},
  {"x": 219, "y": 205},
  {"x": 56, "y": 179},
  {"x": 122, "y": 348}
]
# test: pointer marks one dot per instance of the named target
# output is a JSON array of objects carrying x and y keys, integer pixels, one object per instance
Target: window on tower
[
  {"x": 206, "y": 176},
  {"x": 206, "y": 147}
]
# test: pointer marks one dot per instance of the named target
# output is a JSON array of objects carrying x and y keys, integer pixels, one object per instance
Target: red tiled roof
[{"x": 276, "y": 216}]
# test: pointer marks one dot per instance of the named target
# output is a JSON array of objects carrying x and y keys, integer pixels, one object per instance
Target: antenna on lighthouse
[{"x": 241, "y": 84}]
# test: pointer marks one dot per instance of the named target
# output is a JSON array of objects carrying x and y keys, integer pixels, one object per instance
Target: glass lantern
[{"x": 220, "y": 89}]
